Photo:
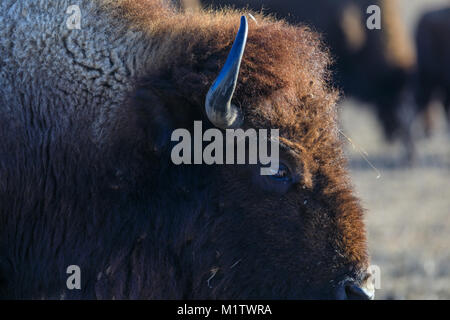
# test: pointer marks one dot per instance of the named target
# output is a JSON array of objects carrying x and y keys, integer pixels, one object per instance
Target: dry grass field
[{"x": 408, "y": 208}]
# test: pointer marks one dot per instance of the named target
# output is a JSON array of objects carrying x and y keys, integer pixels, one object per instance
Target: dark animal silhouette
[{"x": 433, "y": 63}]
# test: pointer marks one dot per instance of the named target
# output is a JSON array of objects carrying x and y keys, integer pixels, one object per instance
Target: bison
[
  {"x": 433, "y": 62},
  {"x": 89, "y": 98},
  {"x": 374, "y": 66}
]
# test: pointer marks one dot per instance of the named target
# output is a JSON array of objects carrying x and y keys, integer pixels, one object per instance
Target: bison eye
[
  {"x": 279, "y": 181},
  {"x": 283, "y": 174}
]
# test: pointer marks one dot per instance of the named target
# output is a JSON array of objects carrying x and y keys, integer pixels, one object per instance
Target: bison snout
[{"x": 350, "y": 289}]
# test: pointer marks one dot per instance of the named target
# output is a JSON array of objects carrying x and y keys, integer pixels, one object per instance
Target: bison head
[{"x": 231, "y": 232}]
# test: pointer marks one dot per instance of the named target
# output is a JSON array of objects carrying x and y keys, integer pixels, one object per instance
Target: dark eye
[{"x": 283, "y": 174}]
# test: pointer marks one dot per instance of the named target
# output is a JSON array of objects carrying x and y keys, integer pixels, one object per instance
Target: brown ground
[{"x": 408, "y": 209}]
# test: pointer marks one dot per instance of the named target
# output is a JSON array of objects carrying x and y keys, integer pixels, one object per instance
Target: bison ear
[
  {"x": 165, "y": 102},
  {"x": 154, "y": 118}
]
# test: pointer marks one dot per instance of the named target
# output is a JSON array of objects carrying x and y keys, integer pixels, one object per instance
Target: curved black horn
[{"x": 219, "y": 109}]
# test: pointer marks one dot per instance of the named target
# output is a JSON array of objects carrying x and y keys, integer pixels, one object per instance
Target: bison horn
[{"x": 219, "y": 109}]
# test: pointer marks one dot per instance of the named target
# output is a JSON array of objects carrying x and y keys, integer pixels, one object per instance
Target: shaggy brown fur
[{"x": 111, "y": 201}]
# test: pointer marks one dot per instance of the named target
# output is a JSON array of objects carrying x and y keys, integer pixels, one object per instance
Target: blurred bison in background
[
  {"x": 87, "y": 179},
  {"x": 373, "y": 66},
  {"x": 433, "y": 60}
]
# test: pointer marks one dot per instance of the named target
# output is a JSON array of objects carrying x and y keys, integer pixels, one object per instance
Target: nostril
[
  {"x": 355, "y": 292},
  {"x": 352, "y": 289}
]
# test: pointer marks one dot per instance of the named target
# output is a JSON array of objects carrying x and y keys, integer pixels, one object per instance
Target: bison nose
[
  {"x": 355, "y": 292},
  {"x": 351, "y": 290}
]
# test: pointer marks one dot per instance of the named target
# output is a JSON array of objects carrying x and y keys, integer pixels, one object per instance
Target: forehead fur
[{"x": 284, "y": 77}]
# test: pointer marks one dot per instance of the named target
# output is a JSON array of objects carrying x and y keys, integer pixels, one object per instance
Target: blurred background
[
  {"x": 408, "y": 207},
  {"x": 394, "y": 125}
]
